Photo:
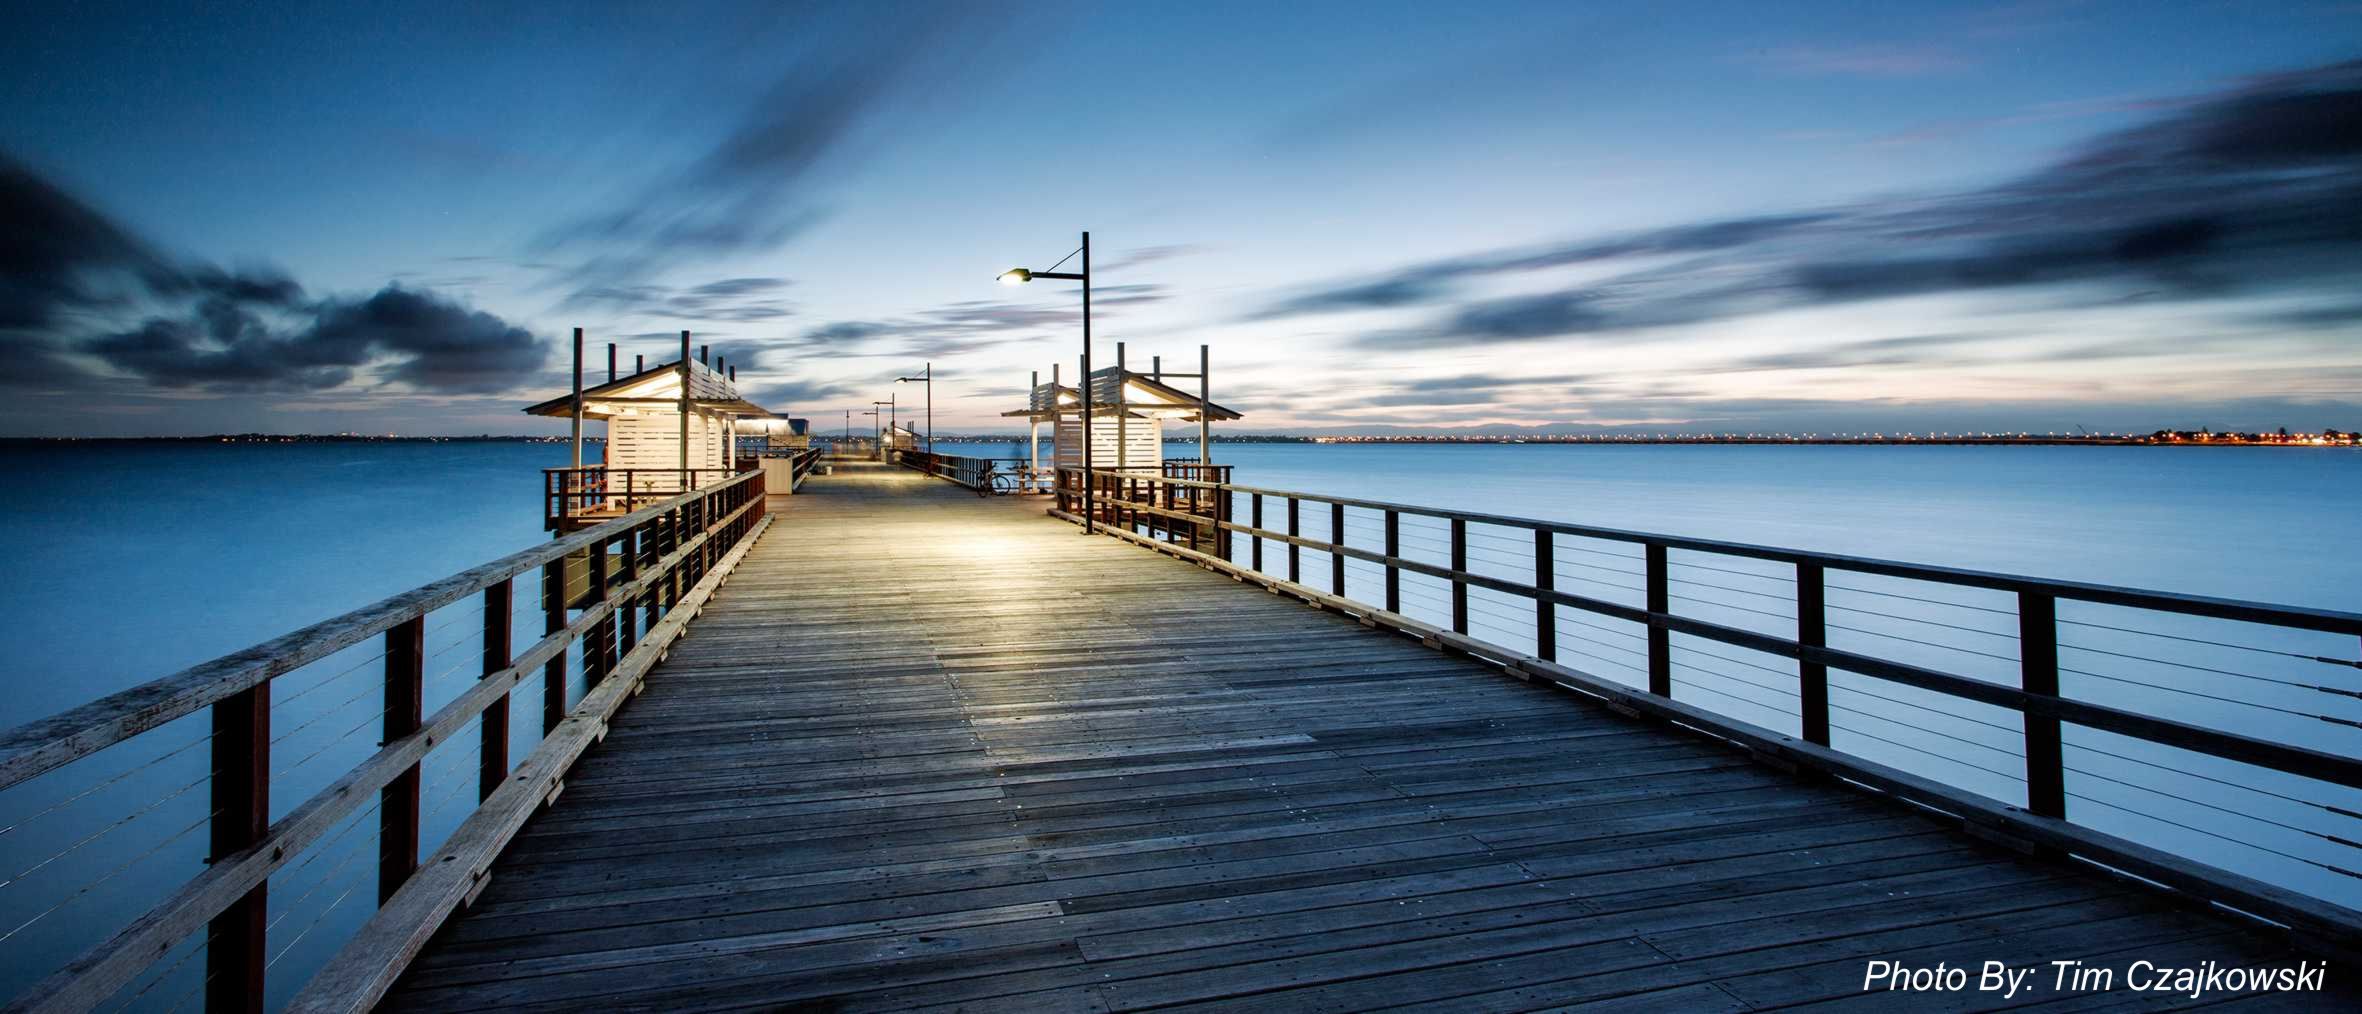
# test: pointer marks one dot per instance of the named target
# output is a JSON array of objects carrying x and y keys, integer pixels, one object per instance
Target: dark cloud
[
  {"x": 1906, "y": 350},
  {"x": 1409, "y": 290},
  {"x": 1146, "y": 255},
  {"x": 422, "y": 341},
  {"x": 798, "y": 393},
  {"x": 732, "y": 300},
  {"x": 64, "y": 267},
  {"x": 58, "y": 254},
  {"x": 2333, "y": 315},
  {"x": 2254, "y": 190},
  {"x": 967, "y": 326},
  {"x": 1104, "y": 296},
  {"x": 1489, "y": 381}
]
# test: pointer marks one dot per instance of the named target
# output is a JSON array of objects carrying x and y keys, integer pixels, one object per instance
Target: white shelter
[
  {"x": 1128, "y": 414},
  {"x": 662, "y": 421}
]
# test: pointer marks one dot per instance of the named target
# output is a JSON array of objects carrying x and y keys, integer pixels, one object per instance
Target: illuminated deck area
[{"x": 931, "y": 749}]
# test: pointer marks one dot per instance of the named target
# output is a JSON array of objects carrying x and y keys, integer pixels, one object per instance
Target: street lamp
[
  {"x": 888, "y": 424},
  {"x": 1020, "y": 276},
  {"x": 929, "y": 378}
]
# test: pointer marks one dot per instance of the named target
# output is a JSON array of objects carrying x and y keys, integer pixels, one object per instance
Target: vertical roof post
[
  {"x": 685, "y": 378},
  {"x": 578, "y": 398},
  {"x": 1205, "y": 405}
]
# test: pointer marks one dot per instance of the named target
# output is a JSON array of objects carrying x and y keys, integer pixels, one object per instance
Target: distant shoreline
[{"x": 2331, "y": 438}]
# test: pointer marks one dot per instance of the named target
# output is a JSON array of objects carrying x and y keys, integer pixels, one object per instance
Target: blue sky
[{"x": 1729, "y": 216}]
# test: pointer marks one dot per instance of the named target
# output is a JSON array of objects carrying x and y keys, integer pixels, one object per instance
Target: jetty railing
[
  {"x": 984, "y": 475},
  {"x": 599, "y": 493},
  {"x": 197, "y": 836},
  {"x": 1188, "y": 509},
  {"x": 2130, "y": 728}
]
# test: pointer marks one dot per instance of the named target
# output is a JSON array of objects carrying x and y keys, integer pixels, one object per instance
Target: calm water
[
  {"x": 134, "y": 560},
  {"x": 148, "y": 557}
]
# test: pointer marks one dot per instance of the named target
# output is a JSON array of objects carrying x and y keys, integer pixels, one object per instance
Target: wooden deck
[{"x": 932, "y": 749}]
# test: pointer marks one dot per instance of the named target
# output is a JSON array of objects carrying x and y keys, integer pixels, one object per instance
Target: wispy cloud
[
  {"x": 1876, "y": 60},
  {"x": 2250, "y": 190},
  {"x": 759, "y": 184}
]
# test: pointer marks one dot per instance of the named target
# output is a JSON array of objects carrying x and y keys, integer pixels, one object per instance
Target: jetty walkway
[{"x": 930, "y": 749}]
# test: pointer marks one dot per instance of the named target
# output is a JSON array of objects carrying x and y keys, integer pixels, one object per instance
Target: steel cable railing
[{"x": 1961, "y": 689}]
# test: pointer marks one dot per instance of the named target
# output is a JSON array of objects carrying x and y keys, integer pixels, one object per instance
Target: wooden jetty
[
  {"x": 890, "y": 745},
  {"x": 929, "y": 751}
]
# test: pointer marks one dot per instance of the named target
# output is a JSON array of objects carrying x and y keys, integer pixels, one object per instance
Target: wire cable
[
  {"x": 2218, "y": 644},
  {"x": 1914, "y": 598},
  {"x": 2192, "y": 693}
]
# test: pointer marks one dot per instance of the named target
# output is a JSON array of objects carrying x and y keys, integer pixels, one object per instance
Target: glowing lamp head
[{"x": 1016, "y": 276}]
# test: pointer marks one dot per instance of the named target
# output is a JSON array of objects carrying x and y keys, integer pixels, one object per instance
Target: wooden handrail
[
  {"x": 672, "y": 554},
  {"x": 39, "y": 746}
]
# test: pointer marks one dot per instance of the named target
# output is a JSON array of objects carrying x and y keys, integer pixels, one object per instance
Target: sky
[{"x": 1562, "y": 217}]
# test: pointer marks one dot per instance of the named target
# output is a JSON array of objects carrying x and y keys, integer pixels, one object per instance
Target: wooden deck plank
[{"x": 929, "y": 749}]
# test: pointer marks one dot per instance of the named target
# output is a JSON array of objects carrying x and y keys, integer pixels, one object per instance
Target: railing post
[
  {"x": 1255, "y": 521},
  {"x": 1393, "y": 553},
  {"x": 1812, "y": 631},
  {"x": 1222, "y": 509},
  {"x": 1196, "y": 527},
  {"x": 1545, "y": 611},
  {"x": 553, "y": 619},
  {"x": 1459, "y": 567},
  {"x": 397, "y": 814},
  {"x": 1336, "y": 541},
  {"x": 1660, "y": 638},
  {"x": 236, "y": 941},
  {"x": 626, "y": 612},
  {"x": 598, "y": 640},
  {"x": 2038, "y": 665},
  {"x": 1293, "y": 576},
  {"x": 499, "y": 623}
]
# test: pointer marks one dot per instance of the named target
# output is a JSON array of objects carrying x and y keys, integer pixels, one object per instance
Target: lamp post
[
  {"x": 1020, "y": 276},
  {"x": 888, "y": 423},
  {"x": 929, "y": 378}
]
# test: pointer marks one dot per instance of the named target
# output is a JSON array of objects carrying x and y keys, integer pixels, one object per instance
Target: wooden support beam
[
  {"x": 397, "y": 814},
  {"x": 236, "y": 941},
  {"x": 492, "y": 757}
]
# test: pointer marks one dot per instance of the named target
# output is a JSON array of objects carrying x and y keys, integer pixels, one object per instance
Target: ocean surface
[
  {"x": 133, "y": 560},
  {"x": 137, "y": 559}
]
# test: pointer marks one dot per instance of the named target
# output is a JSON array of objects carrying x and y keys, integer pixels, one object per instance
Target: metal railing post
[
  {"x": 1660, "y": 639},
  {"x": 1336, "y": 542},
  {"x": 1812, "y": 631},
  {"x": 1293, "y": 576},
  {"x": 1393, "y": 553},
  {"x": 1545, "y": 611},
  {"x": 1459, "y": 568},
  {"x": 2038, "y": 667}
]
